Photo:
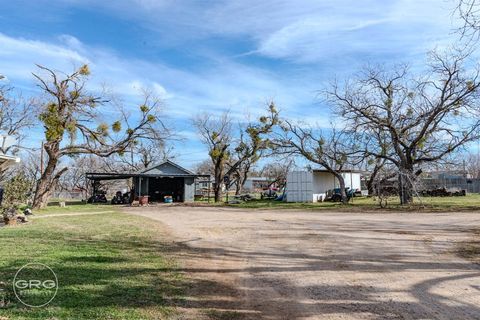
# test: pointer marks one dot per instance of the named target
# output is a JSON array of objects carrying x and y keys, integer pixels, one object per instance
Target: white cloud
[
  {"x": 301, "y": 31},
  {"x": 223, "y": 85},
  {"x": 399, "y": 28},
  {"x": 18, "y": 56}
]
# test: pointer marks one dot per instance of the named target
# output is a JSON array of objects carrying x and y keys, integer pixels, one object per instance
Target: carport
[{"x": 156, "y": 182}]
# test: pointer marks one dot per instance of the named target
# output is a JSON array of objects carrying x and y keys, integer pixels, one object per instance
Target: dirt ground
[{"x": 245, "y": 264}]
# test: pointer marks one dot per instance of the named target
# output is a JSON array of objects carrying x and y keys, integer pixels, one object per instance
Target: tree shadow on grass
[{"x": 96, "y": 285}]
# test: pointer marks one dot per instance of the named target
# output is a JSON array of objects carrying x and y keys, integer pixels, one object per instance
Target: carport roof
[
  {"x": 165, "y": 169},
  {"x": 341, "y": 171},
  {"x": 119, "y": 176}
]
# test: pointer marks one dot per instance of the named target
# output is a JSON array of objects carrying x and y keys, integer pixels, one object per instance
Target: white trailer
[{"x": 311, "y": 186}]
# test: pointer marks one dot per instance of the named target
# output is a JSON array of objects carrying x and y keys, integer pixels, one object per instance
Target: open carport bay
[{"x": 310, "y": 265}]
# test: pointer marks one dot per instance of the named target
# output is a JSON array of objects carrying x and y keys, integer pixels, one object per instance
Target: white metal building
[{"x": 311, "y": 186}]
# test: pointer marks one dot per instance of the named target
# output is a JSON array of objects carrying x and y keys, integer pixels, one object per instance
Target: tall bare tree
[
  {"x": 216, "y": 134},
  {"x": 421, "y": 119},
  {"x": 234, "y": 156},
  {"x": 251, "y": 146},
  {"x": 73, "y": 125},
  {"x": 335, "y": 150}
]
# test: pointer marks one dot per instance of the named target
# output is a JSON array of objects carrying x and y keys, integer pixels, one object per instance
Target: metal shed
[
  {"x": 311, "y": 186},
  {"x": 166, "y": 179},
  {"x": 158, "y": 181}
]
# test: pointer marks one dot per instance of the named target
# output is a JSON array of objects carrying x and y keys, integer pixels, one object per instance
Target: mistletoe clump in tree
[{"x": 73, "y": 125}]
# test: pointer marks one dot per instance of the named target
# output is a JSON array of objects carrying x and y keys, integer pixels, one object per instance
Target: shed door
[{"x": 160, "y": 187}]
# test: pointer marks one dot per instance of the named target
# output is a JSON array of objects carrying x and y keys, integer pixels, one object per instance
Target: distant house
[{"x": 311, "y": 186}]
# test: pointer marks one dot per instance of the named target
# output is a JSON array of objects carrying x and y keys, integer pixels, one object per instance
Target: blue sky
[{"x": 214, "y": 55}]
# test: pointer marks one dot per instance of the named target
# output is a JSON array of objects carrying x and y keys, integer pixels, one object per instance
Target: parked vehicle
[
  {"x": 335, "y": 194},
  {"x": 99, "y": 197},
  {"x": 244, "y": 197},
  {"x": 268, "y": 194},
  {"x": 121, "y": 198}
]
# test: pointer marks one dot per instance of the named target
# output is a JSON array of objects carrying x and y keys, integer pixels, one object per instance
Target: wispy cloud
[{"x": 217, "y": 55}]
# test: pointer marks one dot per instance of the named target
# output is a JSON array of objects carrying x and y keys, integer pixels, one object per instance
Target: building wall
[
  {"x": 300, "y": 186},
  {"x": 306, "y": 186},
  {"x": 189, "y": 190}
]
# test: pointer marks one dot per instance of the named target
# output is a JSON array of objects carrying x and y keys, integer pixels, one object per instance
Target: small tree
[
  {"x": 73, "y": 125},
  {"x": 277, "y": 171},
  {"x": 15, "y": 193}
]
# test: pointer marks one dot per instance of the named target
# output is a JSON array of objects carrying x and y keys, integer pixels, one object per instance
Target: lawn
[
  {"x": 109, "y": 265},
  {"x": 467, "y": 203}
]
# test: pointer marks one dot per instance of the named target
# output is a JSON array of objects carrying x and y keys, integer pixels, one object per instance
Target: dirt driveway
[{"x": 317, "y": 265}]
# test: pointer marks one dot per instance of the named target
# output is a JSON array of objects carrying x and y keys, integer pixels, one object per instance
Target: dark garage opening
[{"x": 159, "y": 187}]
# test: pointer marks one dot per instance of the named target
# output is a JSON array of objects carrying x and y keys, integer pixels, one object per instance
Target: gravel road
[{"x": 265, "y": 264}]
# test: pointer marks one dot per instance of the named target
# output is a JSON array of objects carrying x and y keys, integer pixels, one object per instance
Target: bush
[{"x": 15, "y": 193}]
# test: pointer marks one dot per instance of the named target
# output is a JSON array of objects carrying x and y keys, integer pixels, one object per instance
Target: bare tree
[
  {"x": 335, "y": 151},
  {"x": 216, "y": 134},
  {"x": 204, "y": 167},
  {"x": 73, "y": 125},
  {"x": 277, "y": 171},
  {"x": 234, "y": 157},
  {"x": 469, "y": 13},
  {"x": 410, "y": 121},
  {"x": 472, "y": 164},
  {"x": 16, "y": 115},
  {"x": 142, "y": 155},
  {"x": 75, "y": 177},
  {"x": 251, "y": 146},
  {"x": 240, "y": 173}
]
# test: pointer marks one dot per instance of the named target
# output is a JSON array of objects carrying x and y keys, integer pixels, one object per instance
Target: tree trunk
[
  {"x": 45, "y": 185},
  {"x": 242, "y": 178},
  {"x": 49, "y": 179},
  {"x": 218, "y": 181},
  {"x": 343, "y": 193},
  {"x": 405, "y": 185},
  {"x": 238, "y": 187},
  {"x": 371, "y": 180}
]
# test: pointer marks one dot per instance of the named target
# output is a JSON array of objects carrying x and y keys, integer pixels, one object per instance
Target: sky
[{"x": 216, "y": 55}]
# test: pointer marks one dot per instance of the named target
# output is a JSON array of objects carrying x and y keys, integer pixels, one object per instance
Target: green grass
[
  {"x": 74, "y": 207},
  {"x": 468, "y": 203},
  {"x": 109, "y": 266}
]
